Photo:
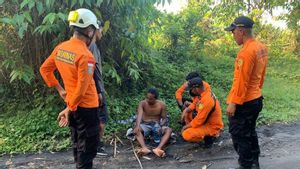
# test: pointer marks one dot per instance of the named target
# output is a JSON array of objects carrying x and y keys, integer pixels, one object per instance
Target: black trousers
[
  {"x": 84, "y": 125},
  {"x": 242, "y": 129},
  {"x": 102, "y": 110}
]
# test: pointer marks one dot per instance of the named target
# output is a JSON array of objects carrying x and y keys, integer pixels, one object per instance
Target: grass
[
  {"x": 281, "y": 91},
  {"x": 32, "y": 130}
]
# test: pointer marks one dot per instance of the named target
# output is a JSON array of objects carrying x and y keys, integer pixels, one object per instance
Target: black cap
[
  {"x": 192, "y": 75},
  {"x": 241, "y": 21},
  {"x": 195, "y": 82}
]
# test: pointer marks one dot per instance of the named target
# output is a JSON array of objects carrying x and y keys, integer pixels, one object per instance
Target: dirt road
[{"x": 280, "y": 146}]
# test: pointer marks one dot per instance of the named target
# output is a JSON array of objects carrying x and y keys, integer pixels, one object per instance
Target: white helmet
[{"x": 82, "y": 18}]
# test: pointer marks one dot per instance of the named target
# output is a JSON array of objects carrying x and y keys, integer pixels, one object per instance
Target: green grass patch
[
  {"x": 281, "y": 90},
  {"x": 32, "y": 129}
]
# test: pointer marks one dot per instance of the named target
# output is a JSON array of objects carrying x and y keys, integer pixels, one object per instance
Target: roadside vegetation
[{"x": 142, "y": 47}]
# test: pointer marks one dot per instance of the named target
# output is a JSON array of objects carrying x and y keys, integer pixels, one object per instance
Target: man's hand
[
  {"x": 187, "y": 103},
  {"x": 136, "y": 129},
  {"x": 63, "y": 118},
  {"x": 62, "y": 94},
  {"x": 231, "y": 108},
  {"x": 183, "y": 114}
]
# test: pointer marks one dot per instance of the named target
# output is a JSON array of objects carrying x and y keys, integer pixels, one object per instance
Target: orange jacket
[
  {"x": 179, "y": 92},
  {"x": 204, "y": 105},
  {"x": 76, "y": 65},
  {"x": 249, "y": 72}
]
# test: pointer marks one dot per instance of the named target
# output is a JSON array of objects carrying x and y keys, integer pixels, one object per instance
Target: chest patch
[
  {"x": 240, "y": 62},
  {"x": 199, "y": 106}
]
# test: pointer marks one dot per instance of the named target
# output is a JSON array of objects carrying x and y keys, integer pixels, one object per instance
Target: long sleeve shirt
[
  {"x": 249, "y": 72},
  {"x": 76, "y": 65}
]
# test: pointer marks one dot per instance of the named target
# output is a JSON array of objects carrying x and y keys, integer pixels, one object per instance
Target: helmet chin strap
[{"x": 89, "y": 39}]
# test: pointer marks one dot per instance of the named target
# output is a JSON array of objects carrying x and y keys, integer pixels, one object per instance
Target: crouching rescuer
[{"x": 208, "y": 121}]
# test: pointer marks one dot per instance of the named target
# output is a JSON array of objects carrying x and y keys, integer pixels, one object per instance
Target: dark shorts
[
  {"x": 102, "y": 110},
  {"x": 153, "y": 128}
]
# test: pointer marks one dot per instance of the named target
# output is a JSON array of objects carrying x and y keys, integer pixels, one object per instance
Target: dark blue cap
[
  {"x": 241, "y": 21},
  {"x": 195, "y": 82},
  {"x": 192, "y": 75}
]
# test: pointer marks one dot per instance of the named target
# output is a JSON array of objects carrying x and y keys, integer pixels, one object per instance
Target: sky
[
  {"x": 177, "y": 5},
  {"x": 174, "y": 7}
]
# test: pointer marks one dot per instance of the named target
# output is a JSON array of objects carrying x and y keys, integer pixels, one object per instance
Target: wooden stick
[
  {"x": 209, "y": 164},
  {"x": 111, "y": 141},
  {"x": 115, "y": 148},
  {"x": 136, "y": 156},
  {"x": 119, "y": 140}
]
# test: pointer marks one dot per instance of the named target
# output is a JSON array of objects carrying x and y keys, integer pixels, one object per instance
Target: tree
[{"x": 31, "y": 28}]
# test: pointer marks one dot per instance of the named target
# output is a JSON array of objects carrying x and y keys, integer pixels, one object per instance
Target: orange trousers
[{"x": 198, "y": 134}]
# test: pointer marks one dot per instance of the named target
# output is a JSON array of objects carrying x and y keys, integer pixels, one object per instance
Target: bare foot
[
  {"x": 143, "y": 151},
  {"x": 159, "y": 152}
]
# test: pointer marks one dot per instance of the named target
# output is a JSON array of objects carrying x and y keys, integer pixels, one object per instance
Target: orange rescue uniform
[
  {"x": 76, "y": 65},
  {"x": 202, "y": 125},
  {"x": 249, "y": 72}
]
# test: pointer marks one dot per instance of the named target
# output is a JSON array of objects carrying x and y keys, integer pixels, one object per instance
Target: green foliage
[
  {"x": 40, "y": 23},
  {"x": 142, "y": 48},
  {"x": 32, "y": 127},
  {"x": 25, "y": 74}
]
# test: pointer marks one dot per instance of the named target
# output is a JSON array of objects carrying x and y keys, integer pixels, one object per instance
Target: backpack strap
[{"x": 213, "y": 109}]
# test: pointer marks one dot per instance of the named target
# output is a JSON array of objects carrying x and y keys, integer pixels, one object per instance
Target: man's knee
[
  {"x": 192, "y": 135},
  {"x": 168, "y": 131}
]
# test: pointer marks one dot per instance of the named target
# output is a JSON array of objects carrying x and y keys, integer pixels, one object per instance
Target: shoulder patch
[
  {"x": 262, "y": 52},
  {"x": 90, "y": 67}
]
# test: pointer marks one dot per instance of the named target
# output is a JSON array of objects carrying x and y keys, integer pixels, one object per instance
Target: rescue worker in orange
[
  {"x": 76, "y": 64},
  {"x": 182, "y": 101},
  {"x": 208, "y": 121},
  {"x": 185, "y": 103},
  {"x": 245, "y": 99},
  {"x": 102, "y": 110}
]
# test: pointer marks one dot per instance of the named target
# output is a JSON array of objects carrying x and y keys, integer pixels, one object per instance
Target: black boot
[
  {"x": 208, "y": 141},
  {"x": 255, "y": 164}
]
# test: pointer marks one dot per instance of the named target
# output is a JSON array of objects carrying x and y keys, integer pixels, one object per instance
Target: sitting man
[
  {"x": 152, "y": 118},
  {"x": 208, "y": 121}
]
